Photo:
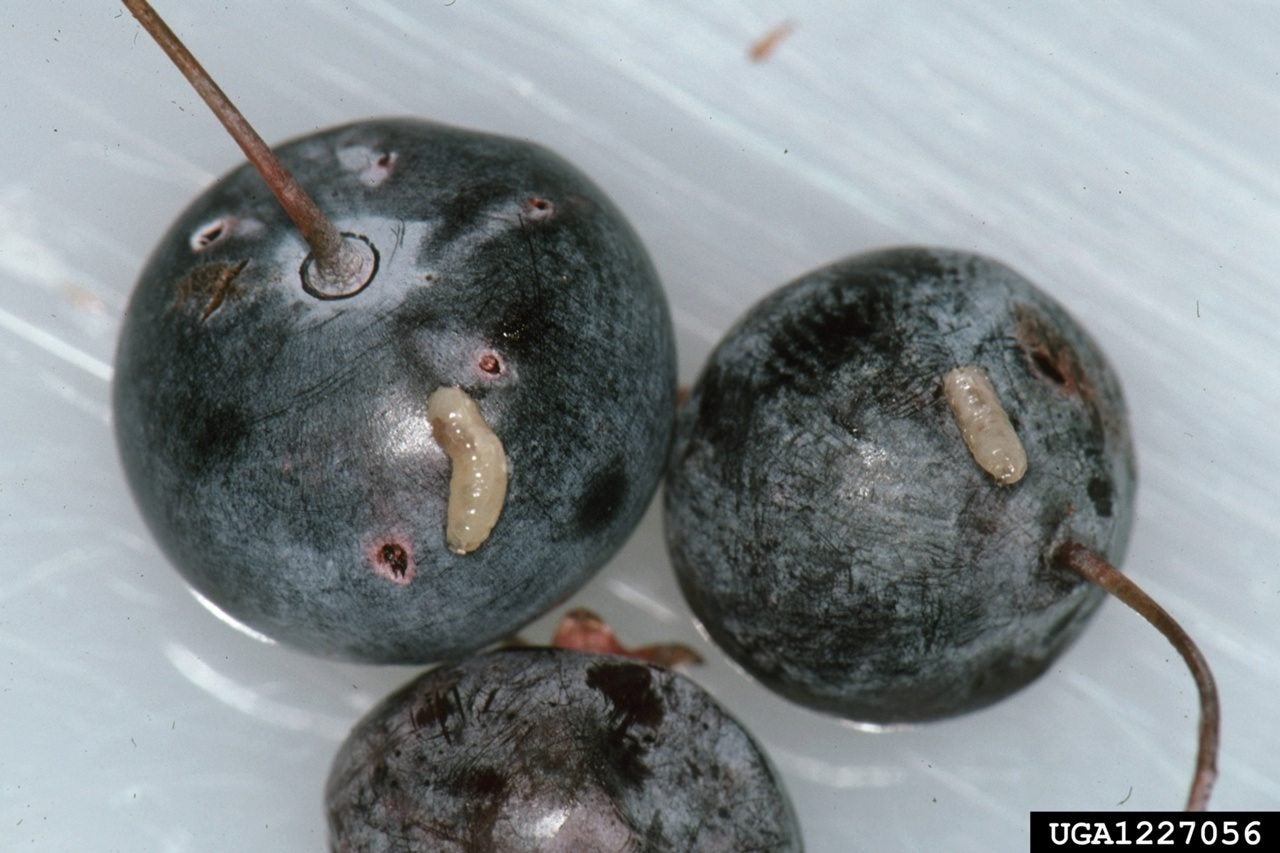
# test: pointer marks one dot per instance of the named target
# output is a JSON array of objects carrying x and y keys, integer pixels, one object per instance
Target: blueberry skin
[
  {"x": 554, "y": 750},
  {"x": 277, "y": 443},
  {"x": 828, "y": 524}
]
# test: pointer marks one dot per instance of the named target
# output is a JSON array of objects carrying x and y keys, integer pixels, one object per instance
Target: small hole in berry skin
[
  {"x": 490, "y": 363},
  {"x": 1046, "y": 365},
  {"x": 212, "y": 233},
  {"x": 1052, "y": 357},
  {"x": 370, "y": 165},
  {"x": 395, "y": 558},
  {"x": 393, "y": 561},
  {"x": 537, "y": 208},
  {"x": 379, "y": 169}
]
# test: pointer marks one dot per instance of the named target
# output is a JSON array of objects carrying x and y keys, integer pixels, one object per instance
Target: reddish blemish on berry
[
  {"x": 537, "y": 208},
  {"x": 210, "y": 284},
  {"x": 378, "y": 170},
  {"x": 393, "y": 560},
  {"x": 1050, "y": 355}
]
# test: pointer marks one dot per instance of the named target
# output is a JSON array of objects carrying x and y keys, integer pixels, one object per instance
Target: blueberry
[
  {"x": 547, "y": 749},
  {"x": 275, "y": 429},
  {"x": 832, "y": 530}
]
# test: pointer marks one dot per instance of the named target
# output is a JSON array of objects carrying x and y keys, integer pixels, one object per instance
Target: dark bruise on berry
[
  {"x": 547, "y": 749},
  {"x": 826, "y": 520},
  {"x": 434, "y": 709},
  {"x": 629, "y": 689},
  {"x": 634, "y": 704},
  {"x": 218, "y": 436},
  {"x": 606, "y": 490}
]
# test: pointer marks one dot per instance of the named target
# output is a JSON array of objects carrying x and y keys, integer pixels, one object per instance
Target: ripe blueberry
[
  {"x": 404, "y": 452},
  {"x": 898, "y": 487},
  {"x": 827, "y": 522},
  {"x": 548, "y": 749}
]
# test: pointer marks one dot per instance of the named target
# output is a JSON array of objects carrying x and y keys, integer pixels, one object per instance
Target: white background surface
[{"x": 1123, "y": 155}]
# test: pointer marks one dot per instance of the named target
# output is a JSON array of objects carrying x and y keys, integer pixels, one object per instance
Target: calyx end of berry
[{"x": 343, "y": 273}]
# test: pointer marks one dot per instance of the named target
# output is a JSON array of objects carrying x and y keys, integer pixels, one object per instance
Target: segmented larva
[
  {"x": 478, "y": 480},
  {"x": 984, "y": 424}
]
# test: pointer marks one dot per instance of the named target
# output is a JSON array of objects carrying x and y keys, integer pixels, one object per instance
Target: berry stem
[
  {"x": 1092, "y": 566},
  {"x": 327, "y": 245}
]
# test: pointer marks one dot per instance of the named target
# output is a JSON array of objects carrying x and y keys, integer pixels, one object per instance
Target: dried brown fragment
[
  {"x": 763, "y": 47},
  {"x": 583, "y": 630}
]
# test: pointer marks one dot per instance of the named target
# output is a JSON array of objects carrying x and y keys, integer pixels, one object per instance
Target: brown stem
[
  {"x": 326, "y": 242},
  {"x": 1092, "y": 566}
]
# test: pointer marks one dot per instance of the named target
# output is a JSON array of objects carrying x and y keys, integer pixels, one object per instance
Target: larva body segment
[
  {"x": 984, "y": 425},
  {"x": 478, "y": 481}
]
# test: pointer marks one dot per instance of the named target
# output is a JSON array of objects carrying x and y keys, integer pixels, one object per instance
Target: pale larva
[
  {"x": 478, "y": 481},
  {"x": 984, "y": 424}
]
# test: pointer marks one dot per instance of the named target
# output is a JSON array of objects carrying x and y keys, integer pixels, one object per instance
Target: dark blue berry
[
  {"x": 830, "y": 527},
  {"x": 554, "y": 750},
  {"x": 275, "y": 432}
]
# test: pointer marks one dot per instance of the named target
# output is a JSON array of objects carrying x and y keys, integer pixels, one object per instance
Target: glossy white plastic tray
[{"x": 1123, "y": 155}]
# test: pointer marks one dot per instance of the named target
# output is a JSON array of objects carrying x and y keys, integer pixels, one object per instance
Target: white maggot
[
  {"x": 984, "y": 425},
  {"x": 478, "y": 480}
]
